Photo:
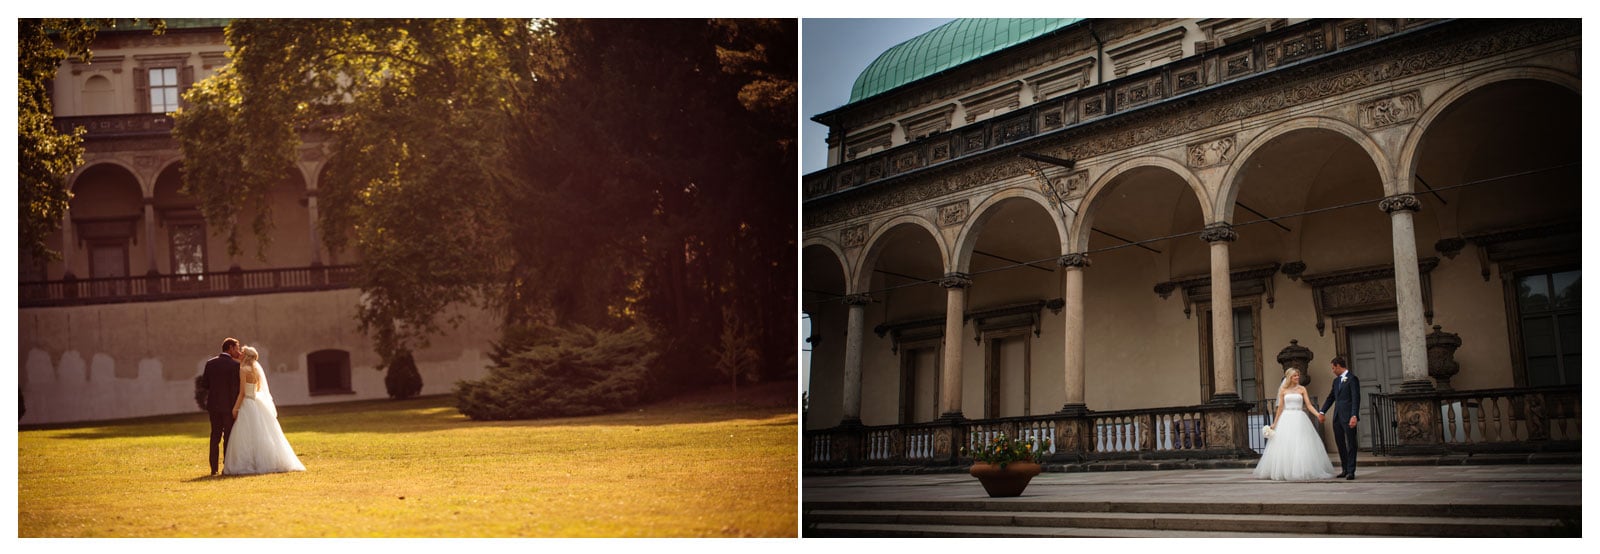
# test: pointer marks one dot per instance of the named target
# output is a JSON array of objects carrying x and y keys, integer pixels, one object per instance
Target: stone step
[
  {"x": 1328, "y": 510},
  {"x": 980, "y": 531},
  {"x": 1369, "y": 525}
]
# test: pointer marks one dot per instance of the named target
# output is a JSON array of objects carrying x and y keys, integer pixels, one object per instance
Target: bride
[
  {"x": 1294, "y": 451},
  {"x": 257, "y": 444}
]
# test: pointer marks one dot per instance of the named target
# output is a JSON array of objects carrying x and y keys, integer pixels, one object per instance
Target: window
[
  {"x": 108, "y": 260},
  {"x": 1548, "y": 311},
  {"x": 1247, "y": 368},
  {"x": 188, "y": 250},
  {"x": 163, "y": 89},
  {"x": 329, "y": 372}
]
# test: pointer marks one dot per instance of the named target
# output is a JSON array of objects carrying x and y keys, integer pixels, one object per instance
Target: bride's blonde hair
[
  {"x": 1291, "y": 379},
  {"x": 248, "y": 355}
]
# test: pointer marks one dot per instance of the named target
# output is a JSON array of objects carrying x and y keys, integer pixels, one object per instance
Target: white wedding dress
[
  {"x": 1295, "y": 452},
  {"x": 257, "y": 444}
]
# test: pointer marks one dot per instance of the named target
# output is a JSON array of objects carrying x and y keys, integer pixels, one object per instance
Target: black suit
[
  {"x": 222, "y": 385},
  {"x": 1346, "y": 401}
]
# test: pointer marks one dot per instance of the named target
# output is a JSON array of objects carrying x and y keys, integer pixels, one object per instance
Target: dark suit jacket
[
  {"x": 222, "y": 383},
  {"x": 1346, "y": 396}
]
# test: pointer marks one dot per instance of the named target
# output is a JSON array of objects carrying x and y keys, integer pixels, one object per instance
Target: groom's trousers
[
  {"x": 1345, "y": 436},
  {"x": 221, "y": 429}
]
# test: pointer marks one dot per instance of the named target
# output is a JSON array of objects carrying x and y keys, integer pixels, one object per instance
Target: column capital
[
  {"x": 1399, "y": 202},
  {"x": 956, "y": 280},
  {"x": 857, "y": 299},
  {"x": 1217, "y": 232},
  {"x": 1075, "y": 259}
]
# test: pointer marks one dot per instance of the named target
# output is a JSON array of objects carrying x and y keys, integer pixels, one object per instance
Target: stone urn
[
  {"x": 1297, "y": 357},
  {"x": 1442, "y": 357},
  {"x": 1006, "y": 481}
]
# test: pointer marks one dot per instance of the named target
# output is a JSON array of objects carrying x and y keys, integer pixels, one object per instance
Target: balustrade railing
[
  {"x": 1527, "y": 418},
  {"x": 191, "y": 285},
  {"x": 1132, "y": 431}
]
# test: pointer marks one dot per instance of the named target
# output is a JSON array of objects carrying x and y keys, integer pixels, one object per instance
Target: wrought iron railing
[{"x": 193, "y": 285}]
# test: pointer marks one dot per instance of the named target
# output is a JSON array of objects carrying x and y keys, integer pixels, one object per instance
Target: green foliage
[
  {"x": 414, "y": 113},
  {"x": 605, "y": 173},
  {"x": 571, "y": 371},
  {"x": 402, "y": 380},
  {"x": 45, "y": 154},
  {"x": 1003, "y": 450}
]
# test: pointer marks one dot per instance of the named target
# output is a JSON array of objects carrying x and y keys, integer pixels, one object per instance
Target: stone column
[
  {"x": 1073, "y": 357},
  {"x": 1223, "y": 388},
  {"x": 955, "y": 306},
  {"x": 68, "y": 241},
  {"x": 1408, "y": 293},
  {"x": 150, "y": 235},
  {"x": 852, "y": 357},
  {"x": 311, "y": 210}
]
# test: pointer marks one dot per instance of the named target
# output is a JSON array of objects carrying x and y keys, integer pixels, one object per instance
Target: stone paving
[{"x": 1519, "y": 484}]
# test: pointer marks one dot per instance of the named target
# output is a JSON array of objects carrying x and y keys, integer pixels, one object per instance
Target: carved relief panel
[{"x": 1392, "y": 110}]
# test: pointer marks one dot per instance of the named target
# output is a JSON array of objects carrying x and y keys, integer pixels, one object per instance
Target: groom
[
  {"x": 1346, "y": 400},
  {"x": 220, "y": 385}
]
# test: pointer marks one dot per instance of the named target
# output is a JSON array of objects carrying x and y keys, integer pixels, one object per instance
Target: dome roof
[{"x": 947, "y": 46}]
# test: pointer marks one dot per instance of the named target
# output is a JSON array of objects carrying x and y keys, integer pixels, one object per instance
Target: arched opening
[
  {"x": 99, "y": 96},
  {"x": 1341, "y": 258},
  {"x": 1122, "y": 308},
  {"x": 824, "y": 325},
  {"x": 905, "y": 324},
  {"x": 106, "y": 209},
  {"x": 187, "y": 246},
  {"x": 1011, "y": 373},
  {"x": 1516, "y": 146}
]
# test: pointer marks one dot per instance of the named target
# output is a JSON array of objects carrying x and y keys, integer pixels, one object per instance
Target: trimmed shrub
[
  {"x": 558, "y": 372},
  {"x": 402, "y": 380}
]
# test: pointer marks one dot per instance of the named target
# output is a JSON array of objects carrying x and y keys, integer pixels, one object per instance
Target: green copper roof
[{"x": 947, "y": 46}]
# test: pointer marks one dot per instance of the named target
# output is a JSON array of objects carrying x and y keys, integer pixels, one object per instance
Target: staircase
[{"x": 1293, "y": 518}]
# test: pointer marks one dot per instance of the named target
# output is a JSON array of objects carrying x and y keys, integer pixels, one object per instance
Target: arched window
[
  {"x": 329, "y": 372},
  {"x": 99, "y": 97}
]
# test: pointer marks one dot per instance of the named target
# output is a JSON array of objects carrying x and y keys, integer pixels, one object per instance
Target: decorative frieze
[
  {"x": 1212, "y": 152},
  {"x": 1297, "y": 48},
  {"x": 953, "y": 214},
  {"x": 907, "y": 161},
  {"x": 1399, "y": 202},
  {"x": 1140, "y": 93},
  {"x": 1161, "y": 125},
  {"x": 1012, "y": 130},
  {"x": 1392, "y": 110},
  {"x": 1238, "y": 64},
  {"x": 1365, "y": 289},
  {"x": 853, "y": 237},
  {"x": 857, "y": 299}
]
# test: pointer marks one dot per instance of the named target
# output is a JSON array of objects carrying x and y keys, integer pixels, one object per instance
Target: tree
[
  {"x": 45, "y": 154},
  {"x": 602, "y": 173}
]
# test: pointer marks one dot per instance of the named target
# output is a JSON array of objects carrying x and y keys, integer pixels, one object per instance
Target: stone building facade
[
  {"x": 1031, "y": 239},
  {"x": 146, "y": 291}
]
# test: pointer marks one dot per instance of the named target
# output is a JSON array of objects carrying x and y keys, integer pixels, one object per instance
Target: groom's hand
[
  {"x": 1321, "y": 418},
  {"x": 1352, "y": 422}
]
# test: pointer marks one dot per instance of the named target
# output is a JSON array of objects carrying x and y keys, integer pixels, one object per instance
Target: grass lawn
[{"x": 693, "y": 467}]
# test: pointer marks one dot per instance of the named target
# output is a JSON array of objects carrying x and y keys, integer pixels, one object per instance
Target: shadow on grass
[{"x": 429, "y": 413}]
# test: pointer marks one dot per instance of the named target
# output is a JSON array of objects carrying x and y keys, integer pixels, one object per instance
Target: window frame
[{"x": 1510, "y": 275}]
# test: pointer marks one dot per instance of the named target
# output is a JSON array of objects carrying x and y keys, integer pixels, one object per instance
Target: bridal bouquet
[{"x": 1266, "y": 432}]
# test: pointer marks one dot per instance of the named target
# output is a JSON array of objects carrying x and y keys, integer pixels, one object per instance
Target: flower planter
[{"x": 1000, "y": 483}]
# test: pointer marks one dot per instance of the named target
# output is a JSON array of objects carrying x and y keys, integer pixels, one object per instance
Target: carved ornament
[
  {"x": 952, "y": 214},
  {"x": 1074, "y": 260},
  {"x": 1399, "y": 202},
  {"x": 853, "y": 237},
  {"x": 1392, "y": 110},
  {"x": 1211, "y": 152}
]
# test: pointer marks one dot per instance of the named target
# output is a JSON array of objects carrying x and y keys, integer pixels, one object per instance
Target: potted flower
[{"x": 1005, "y": 465}]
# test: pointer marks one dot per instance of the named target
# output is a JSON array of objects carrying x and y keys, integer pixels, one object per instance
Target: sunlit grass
[{"x": 418, "y": 468}]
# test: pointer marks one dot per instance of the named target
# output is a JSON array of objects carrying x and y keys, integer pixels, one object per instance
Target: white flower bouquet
[{"x": 1266, "y": 432}]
